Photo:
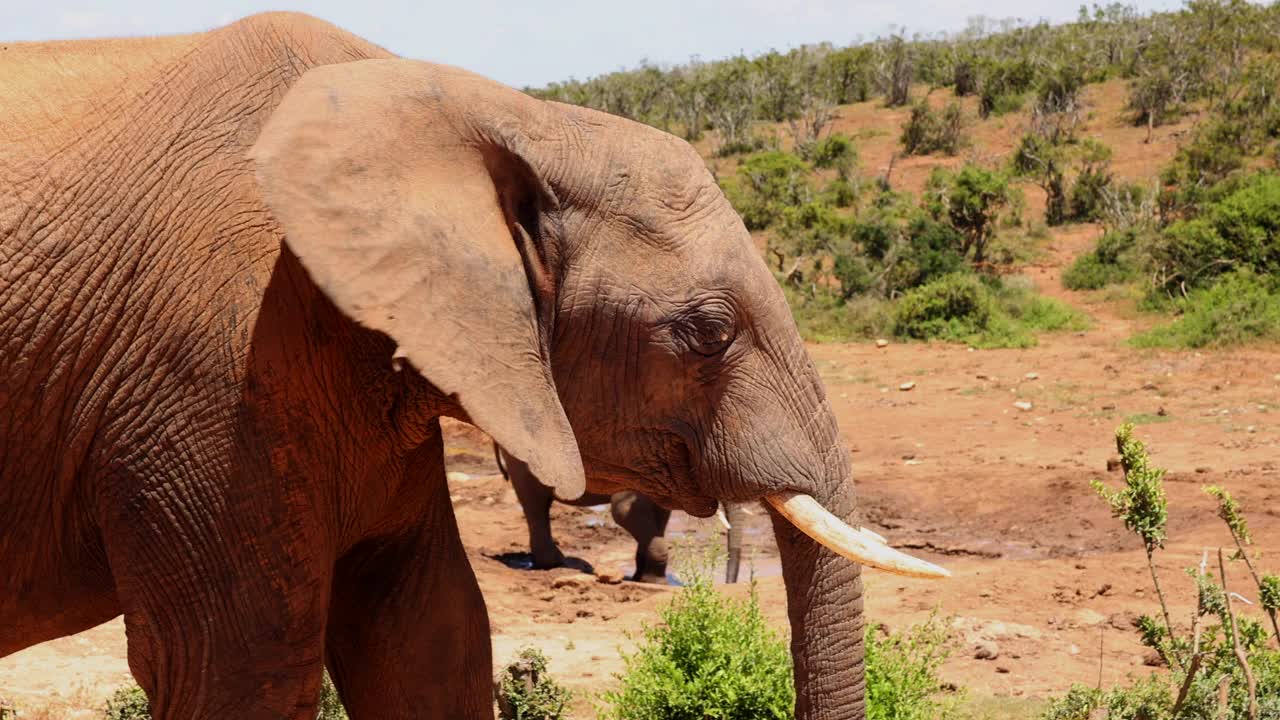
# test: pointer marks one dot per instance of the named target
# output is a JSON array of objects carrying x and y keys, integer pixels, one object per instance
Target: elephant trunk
[{"x": 824, "y": 606}]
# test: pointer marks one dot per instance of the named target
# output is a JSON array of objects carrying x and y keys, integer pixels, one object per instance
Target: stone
[
  {"x": 455, "y": 476},
  {"x": 906, "y": 386},
  {"x": 882, "y": 343},
  {"x": 1023, "y": 405},
  {"x": 609, "y": 578},
  {"x": 578, "y": 581},
  {"x": 1032, "y": 376},
  {"x": 986, "y": 650}
]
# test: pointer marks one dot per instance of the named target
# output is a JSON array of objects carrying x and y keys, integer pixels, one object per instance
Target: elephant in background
[
  {"x": 244, "y": 273},
  {"x": 644, "y": 519}
]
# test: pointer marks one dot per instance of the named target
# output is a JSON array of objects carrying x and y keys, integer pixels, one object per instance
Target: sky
[{"x": 534, "y": 42}]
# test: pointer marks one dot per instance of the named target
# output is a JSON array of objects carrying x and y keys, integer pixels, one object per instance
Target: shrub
[
  {"x": 835, "y": 151},
  {"x": 767, "y": 183},
  {"x": 1207, "y": 657},
  {"x": 989, "y": 314},
  {"x": 1110, "y": 262},
  {"x": 954, "y": 307},
  {"x": 902, "y": 672},
  {"x": 1003, "y": 85},
  {"x": 927, "y": 131},
  {"x": 131, "y": 703},
  {"x": 330, "y": 705},
  {"x": 970, "y": 199},
  {"x": 128, "y": 703},
  {"x": 527, "y": 692},
  {"x": 1239, "y": 229},
  {"x": 1241, "y": 307},
  {"x": 710, "y": 656}
]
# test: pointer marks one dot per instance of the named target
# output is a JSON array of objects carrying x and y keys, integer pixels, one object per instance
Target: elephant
[
  {"x": 638, "y": 514},
  {"x": 245, "y": 272}
]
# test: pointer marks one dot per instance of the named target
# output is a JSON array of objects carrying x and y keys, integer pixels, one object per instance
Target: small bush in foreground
[
  {"x": 1240, "y": 308},
  {"x": 131, "y": 703},
  {"x": 710, "y": 656},
  {"x": 902, "y": 672},
  {"x": 128, "y": 703},
  {"x": 1221, "y": 670},
  {"x": 527, "y": 692}
]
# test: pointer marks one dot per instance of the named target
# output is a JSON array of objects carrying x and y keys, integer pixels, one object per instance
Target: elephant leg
[
  {"x": 408, "y": 632},
  {"x": 646, "y": 521},
  {"x": 736, "y": 515},
  {"x": 224, "y": 597},
  {"x": 535, "y": 499}
]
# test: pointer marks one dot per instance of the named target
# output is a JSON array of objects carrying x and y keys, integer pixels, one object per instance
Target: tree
[{"x": 971, "y": 200}]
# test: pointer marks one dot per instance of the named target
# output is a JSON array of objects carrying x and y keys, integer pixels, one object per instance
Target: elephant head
[{"x": 581, "y": 289}]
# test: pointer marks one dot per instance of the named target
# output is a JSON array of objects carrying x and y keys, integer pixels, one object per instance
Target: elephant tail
[{"x": 497, "y": 458}]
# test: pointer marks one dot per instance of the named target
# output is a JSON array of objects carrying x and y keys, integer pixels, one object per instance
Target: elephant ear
[{"x": 400, "y": 187}]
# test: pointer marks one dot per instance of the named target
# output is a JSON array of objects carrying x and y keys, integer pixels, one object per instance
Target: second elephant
[{"x": 644, "y": 519}]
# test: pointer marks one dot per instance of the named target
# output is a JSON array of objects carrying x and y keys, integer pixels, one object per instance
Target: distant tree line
[{"x": 1198, "y": 53}]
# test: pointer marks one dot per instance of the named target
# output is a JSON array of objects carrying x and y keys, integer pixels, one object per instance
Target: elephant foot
[
  {"x": 654, "y": 578},
  {"x": 547, "y": 561}
]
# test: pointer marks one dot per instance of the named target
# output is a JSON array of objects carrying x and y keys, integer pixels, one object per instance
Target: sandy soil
[{"x": 950, "y": 469}]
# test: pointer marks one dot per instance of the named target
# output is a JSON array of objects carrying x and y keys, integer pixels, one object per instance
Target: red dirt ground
[{"x": 951, "y": 470}]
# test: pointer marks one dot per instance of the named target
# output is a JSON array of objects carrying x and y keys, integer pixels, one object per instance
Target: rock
[
  {"x": 1251, "y": 429},
  {"x": 1203, "y": 469},
  {"x": 882, "y": 343},
  {"x": 579, "y": 582},
  {"x": 455, "y": 476},
  {"x": 908, "y": 385},
  {"x": 1023, "y": 405},
  {"x": 1032, "y": 376},
  {"x": 609, "y": 578},
  {"x": 1162, "y": 412},
  {"x": 1152, "y": 659},
  {"x": 1002, "y": 669},
  {"x": 1074, "y": 649},
  {"x": 986, "y": 650},
  {"x": 1114, "y": 464},
  {"x": 1089, "y": 618}
]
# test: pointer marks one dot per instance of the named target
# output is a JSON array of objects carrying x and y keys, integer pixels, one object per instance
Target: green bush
[
  {"x": 836, "y": 152},
  {"x": 526, "y": 690},
  {"x": 955, "y": 307},
  {"x": 927, "y": 131},
  {"x": 964, "y": 308},
  {"x": 1238, "y": 229},
  {"x": 1201, "y": 660},
  {"x": 766, "y": 184},
  {"x": 1110, "y": 262},
  {"x": 710, "y": 657},
  {"x": 1241, "y": 307},
  {"x": 902, "y": 672},
  {"x": 131, "y": 703},
  {"x": 128, "y": 703}
]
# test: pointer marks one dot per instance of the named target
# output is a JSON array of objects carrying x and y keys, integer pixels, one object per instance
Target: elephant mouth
[{"x": 679, "y": 462}]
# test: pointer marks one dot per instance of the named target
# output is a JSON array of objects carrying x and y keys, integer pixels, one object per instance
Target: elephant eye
[{"x": 710, "y": 336}]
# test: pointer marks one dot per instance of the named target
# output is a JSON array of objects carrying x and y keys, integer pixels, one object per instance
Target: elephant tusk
[
  {"x": 877, "y": 536},
  {"x": 723, "y": 519},
  {"x": 860, "y": 546}
]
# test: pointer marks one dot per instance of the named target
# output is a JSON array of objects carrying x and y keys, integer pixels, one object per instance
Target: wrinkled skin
[
  {"x": 640, "y": 516},
  {"x": 242, "y": 275}
]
